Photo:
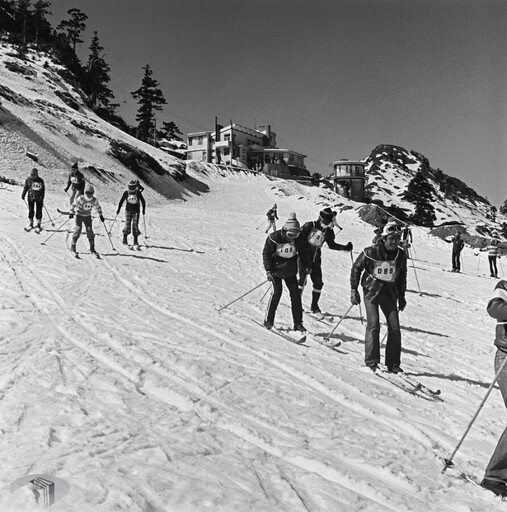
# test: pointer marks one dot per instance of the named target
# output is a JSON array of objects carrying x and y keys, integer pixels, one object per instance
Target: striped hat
[{"x": 292, "y": 224}]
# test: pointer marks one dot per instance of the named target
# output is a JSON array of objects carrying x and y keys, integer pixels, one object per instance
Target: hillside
[{"x": 122, "y": 382}]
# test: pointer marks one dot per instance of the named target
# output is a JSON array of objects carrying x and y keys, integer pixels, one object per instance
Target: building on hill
[
  {"x": 248, "y": 148},
  {"x": 349, "y": 178}
]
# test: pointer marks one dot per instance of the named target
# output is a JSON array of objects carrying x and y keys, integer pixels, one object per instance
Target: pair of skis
[
  {"x": 77, "y": 256},
  {"x": 409, "y": 384},
  {"x": 35, "y": 229},
  {"x": 297, "y": 340}
]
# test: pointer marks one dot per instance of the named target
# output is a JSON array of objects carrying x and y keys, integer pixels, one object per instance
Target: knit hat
[
  {"x": 391, "y": 228},
  {"x": 292, "y": 226},
  {"x": 89, "y": 189},
  {"x": 274, "y": 206},
  {"x": 327, "y": 216},
  {"x": 34, "y": 173},
  {"x": 133, "y": 186},
  {"x": 74, "y": 165}
]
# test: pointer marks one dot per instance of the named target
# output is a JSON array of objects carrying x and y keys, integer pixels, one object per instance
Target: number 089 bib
[{"x": 384, "y": 270}]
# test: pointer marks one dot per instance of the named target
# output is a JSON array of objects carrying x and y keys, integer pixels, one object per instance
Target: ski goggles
[
  {"x": 393, "y": 230},
  {"x": 292, "y": 235}
]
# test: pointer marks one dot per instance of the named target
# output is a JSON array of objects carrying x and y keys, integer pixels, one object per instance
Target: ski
[
  {"x": 399, "y": 383},
  {"x": 328, "y": 343},
  {"x": 432, "y": 392},
  {"x": 320, "y": 317},
  {"x": 450, "y": 465},
  {"x": 284, "y": 335},
  {"x": 28, "y": 229}
]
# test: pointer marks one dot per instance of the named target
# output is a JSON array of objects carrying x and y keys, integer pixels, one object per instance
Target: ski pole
[
  {"x": 144, "y": 223},
  {"x": 448, "y": 462},
  {"x": 339, "y": 322},
  {"x": 478, "y": 260},
  {"x": 112, "y": 224},
  {"x": 108, "y": 236},
  {"x": 415, "y": 273},
  {"x": 49, "y": 217},
  {"x": 261, "y": 224},
  {"x": 245, "y": 294},
  {"x": 56, "y": 231},
  {"x": 265, "y": 293},
  {"x": 360, "y": 308}
]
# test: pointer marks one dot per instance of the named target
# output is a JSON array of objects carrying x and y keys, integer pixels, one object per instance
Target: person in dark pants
[
  {"x": 384, "y": 280},
  {"x": 318, "y": 233},
  {"x": 457, "y": 247},
  {"x": 135, "y": 200},
  {"x": 280, "y": 259},
  {"x": 272, "y": 218},
  {"x": 493, "y": 253},
  {"x": 76, "y": 183},
  {"x": 35, "y": 190},
  {"x": 495, "y": 477}
]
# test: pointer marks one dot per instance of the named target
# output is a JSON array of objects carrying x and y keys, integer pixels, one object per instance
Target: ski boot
[
  {"x": 300, "y": 328},
  {"x": 136, "y": 244},
  {"x": 30, "y": 226}
]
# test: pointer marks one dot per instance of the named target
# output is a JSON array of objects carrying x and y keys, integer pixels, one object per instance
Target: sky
[{"x": 333, "y": 78}]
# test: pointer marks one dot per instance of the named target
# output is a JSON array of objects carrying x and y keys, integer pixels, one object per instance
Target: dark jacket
[
  {"x": 133, "y": 202},
  {"x": 497, "y": 309},
  {"x": 35, "y": 189},
  {"x": 276, "y": 245},
  {"x": 76, "y": 181},
  {"x": 271, "y": 214},
  {"x": 368, "y": 261},
  {"x": 317, "y": 236},
  {"x": 457, "y": 244}
]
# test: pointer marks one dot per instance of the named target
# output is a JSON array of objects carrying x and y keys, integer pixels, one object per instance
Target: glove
[
  {"x": 355, "y": 298},
  {"x": 402, "y": 303},
  {"x": 65, "y": 189},
  {"x": 71, "y": 215},
  {"x": 349, "y": 246},
  {"x": 270, "y": 276},
  {"x": 101, "y": 217}
]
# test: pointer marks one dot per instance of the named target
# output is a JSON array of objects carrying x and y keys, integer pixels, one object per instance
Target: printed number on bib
[
  {"x": 36, "y": 185},
  {"x": 286, "y": 250},
  {"x": 87, "y": 206},
  {"x": 73, "y": 179},
  {"x": 316, "y": 238},
  {"x": 384, "y": 270},
  {"x": 132, "y": 198}
]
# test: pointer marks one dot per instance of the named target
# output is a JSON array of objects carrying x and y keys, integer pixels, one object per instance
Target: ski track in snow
[{"x": 120, "y": 342}]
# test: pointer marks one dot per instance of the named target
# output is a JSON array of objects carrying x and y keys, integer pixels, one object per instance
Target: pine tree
[
  {"x": 169, "y": 131},
  {"x": 503, "y": 208},
  {"x": 41, "y": 24},
  {"x": 150, "y": 99},
  {"x": 96, "y": 78},
  {"x": 22, "y": 15},
  {"x": 420, "y": 192},
  {"x": 73, "y": 27}
]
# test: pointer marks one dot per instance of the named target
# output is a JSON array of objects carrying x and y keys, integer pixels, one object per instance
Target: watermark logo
[{"x": 46, "y": 489}]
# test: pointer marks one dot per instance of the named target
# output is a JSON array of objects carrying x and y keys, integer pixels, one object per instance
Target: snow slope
[{"x": 120, "y": 376}]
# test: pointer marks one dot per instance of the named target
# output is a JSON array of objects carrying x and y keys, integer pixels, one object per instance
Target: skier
[
  {"x": 457, "y": 246},
  {"x": 35, "y": 189},
  {"x": 317, "y": 233},
  {"x": 272, "y": 216},
  {"x": 82, "y": 206},
  {"x": 76, "y": 183},
  {"x": 493, "y": 253},
  {"x": 495, "y": 477},
  {"x": 384, "y": 282},
  {"x": 135, "y": 200},
  {"x": 280, "y": 258}
]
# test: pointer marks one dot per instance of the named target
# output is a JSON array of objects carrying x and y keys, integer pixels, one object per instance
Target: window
[
  {"x": 199, "y": 140},
  {"x": 227, "y": 137}
]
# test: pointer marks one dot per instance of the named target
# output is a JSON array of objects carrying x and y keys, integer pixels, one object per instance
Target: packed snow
[{"x": 120, "y": 376}]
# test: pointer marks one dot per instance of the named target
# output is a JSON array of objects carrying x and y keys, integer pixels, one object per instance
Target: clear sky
[{"x": 333, "y": 78}]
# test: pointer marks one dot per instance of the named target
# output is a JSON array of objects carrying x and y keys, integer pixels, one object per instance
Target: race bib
[
  {"x": 132, "y": 199},
  {"x": 74, "y": 179},
  {"x": 286, "y": 251},
  {"x": 316, "y": 238},
  {"x": 384, "y": 271},
  {"x": 36, "y": 185},
  {"x": 87, "y": 206}
]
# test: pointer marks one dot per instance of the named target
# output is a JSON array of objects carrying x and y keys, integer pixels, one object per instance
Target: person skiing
[
  {"x": 384, "y": 281},
  {"x": 134, "y": 198},
  {"x": 317, "y": 233},
  {"x": 457, "y": 246},
  {"x": 280, "y": 259},
  {"x": 76, "y": 183},
  {"x": 35, "y": 190},
  {"x": 493, "y": 253},
  {"x": 272, "y": 216},
  {"x": 495, "y": 476},
  {"x": 82, "y": 207}
]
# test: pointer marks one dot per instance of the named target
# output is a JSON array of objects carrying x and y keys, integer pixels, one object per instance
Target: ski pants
[
  {"x": 87, "y": 221},
  {"x": 295, "y": 298},
  {"x": 316, "y": 277},
  {"x": 75, "y": 193},
  {"x": 492, "y": 265},
  {"x": 35, "y": 208},
  {"x": 272, "y": 224},
  {"x": 456, "y": 260},
  {"x": 497, "y": 467},
  {"x": 389, "y": 306},
  {"x": 131, "y": 224}
]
